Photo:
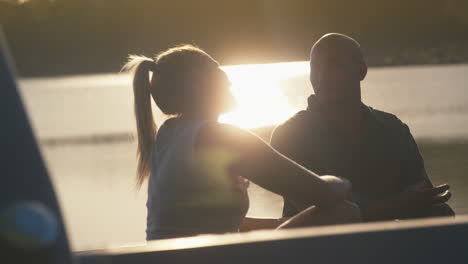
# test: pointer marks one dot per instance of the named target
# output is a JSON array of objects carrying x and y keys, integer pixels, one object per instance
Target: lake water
[{"x": 85, "y": 125}]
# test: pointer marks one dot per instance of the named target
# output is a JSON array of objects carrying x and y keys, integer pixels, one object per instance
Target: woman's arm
[{"x": 263, "y": 165}]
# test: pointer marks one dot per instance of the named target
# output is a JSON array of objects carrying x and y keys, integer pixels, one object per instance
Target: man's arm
[
  {"x": 416, "y": 173},
  {"x": 418, "y": 196},
  {"x": 283, "y": 141},
  {"x": 414, "y": 170}
]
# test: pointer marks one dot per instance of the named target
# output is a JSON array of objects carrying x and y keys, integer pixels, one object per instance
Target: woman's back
[{"x": 189, "y": 191}]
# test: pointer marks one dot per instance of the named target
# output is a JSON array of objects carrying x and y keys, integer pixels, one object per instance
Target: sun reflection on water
[{"x": 260, "y": 99}]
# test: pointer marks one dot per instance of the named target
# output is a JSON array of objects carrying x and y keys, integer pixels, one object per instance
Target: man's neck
[{"x": 345, "y": 116}]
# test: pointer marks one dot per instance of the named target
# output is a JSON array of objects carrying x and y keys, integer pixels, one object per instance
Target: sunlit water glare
[{"x": 260, "y": 99}]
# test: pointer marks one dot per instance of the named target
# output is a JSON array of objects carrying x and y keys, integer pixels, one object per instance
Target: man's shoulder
[
  {"x": 298, "y": 120},
  {"x": 292, "y": 126},
  {"x": 386, "y": 118}
]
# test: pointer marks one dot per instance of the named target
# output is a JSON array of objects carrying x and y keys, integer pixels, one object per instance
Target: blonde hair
[{"x": 168, "y": 87}]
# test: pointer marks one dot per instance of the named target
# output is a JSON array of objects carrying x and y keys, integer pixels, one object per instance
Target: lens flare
[{"x": 259, "y": 95}]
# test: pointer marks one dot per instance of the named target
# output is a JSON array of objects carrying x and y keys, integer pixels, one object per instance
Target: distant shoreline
[
  {"x": 383, "y": 65},
  {"x": 128, "y": 137}
]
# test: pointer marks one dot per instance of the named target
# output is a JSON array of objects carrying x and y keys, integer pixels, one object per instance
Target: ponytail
[
  {"x": 146, "y": 127},
  {"x": 174, "y": 84}
]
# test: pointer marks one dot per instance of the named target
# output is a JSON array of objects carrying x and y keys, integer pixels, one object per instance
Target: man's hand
[
  {"x": 414, "y": 201},
  {"x": 420, "y": 197}
]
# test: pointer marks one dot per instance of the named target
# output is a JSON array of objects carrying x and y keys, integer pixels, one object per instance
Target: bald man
[{"x": 338, "y": 135}]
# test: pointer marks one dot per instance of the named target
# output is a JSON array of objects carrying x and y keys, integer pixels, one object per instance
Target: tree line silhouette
[{"x": 85, "y": 36}]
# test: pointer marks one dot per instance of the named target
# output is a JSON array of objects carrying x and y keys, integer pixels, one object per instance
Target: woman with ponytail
[{"x": 194, "y": 164}]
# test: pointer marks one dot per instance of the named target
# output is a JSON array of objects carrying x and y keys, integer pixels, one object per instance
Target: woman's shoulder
[
  {"x": 213, "y": 133},
  {"x": 176, "y": 129},
  {"x": 175, "y": 124}
]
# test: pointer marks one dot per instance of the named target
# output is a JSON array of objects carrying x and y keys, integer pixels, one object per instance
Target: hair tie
[{"x": 153, "y": 67}]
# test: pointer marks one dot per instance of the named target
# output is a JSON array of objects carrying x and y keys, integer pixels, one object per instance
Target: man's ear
[{"x": 363, "y": 71}]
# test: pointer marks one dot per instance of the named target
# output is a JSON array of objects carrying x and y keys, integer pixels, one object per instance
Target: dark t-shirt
[{"x": 385, "y": 162}]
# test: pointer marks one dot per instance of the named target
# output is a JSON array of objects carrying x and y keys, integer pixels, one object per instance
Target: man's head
[{"x": 337, "y": 66}]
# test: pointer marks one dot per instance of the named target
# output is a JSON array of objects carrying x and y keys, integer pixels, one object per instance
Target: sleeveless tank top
[{"x": 189, "y": 192}]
